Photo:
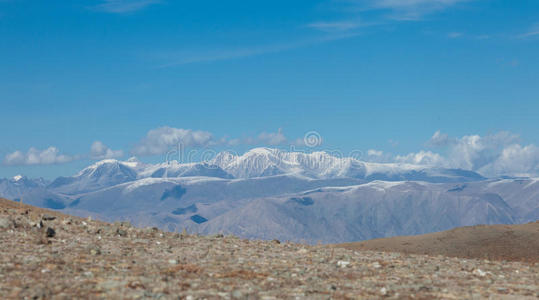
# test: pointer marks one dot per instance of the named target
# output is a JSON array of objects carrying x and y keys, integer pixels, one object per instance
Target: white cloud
[
  {"x": 491, "y": 155},
  {"x": 377, "y": 156},
  {"x": 422, "y": 158},
  {"x": 98, "y": 150},
  {"x": 376, "y": 153},
  {"x": 35, "y": 156},
  {"x": 515, "y": 160},
  {"x": 163, "y": 139},
  {"x": 473, "y": 152},
  {"x": 124, "y": 6},
  {"x": 439, "y": 139}
]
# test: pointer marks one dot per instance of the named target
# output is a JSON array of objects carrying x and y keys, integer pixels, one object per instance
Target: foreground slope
[
  {"x": 85, "y": 258},
  {"x": 500, "y": 242}
]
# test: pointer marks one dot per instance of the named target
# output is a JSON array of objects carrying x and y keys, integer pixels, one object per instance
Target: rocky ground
[{"x": 46, "y": 255}]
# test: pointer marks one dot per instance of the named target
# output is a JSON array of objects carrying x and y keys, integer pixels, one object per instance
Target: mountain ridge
[{"x": 354, "y": 200}]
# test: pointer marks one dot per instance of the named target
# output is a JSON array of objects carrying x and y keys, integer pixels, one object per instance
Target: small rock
[
  {"x": 479, "y": 273},
  {"x": 276, "y": 241},
  {"x": 383, "y": 291},
  {"x": 343, "y": 263},
  {"x": 121, "y": 232},
  {"x": 50, "y": 232},
  {"x": 237, "y": 294},
  {"x": 88, "y": 274},
  {"x": 95, "y": 250},
  {"x": 172, "y": 261},
  {"x": 5, "y": 223},
  {"x": 46, "y": 217},
  {"x": 376, "y": 265}
]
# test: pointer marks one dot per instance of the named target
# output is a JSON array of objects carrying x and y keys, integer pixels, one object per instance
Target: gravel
[{"x": 91, "y": 259}]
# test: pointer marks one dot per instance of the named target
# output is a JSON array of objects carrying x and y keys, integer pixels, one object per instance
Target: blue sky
[{"x": 366, "y": 75}]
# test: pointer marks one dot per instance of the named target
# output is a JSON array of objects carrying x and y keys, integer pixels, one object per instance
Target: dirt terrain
[
  {"x": 494, "y": 242},
  {"x": 47, "y": 255}
]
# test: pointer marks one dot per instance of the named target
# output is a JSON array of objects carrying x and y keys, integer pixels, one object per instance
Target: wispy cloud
[
  {"x": 124, "y": 6},
  {"x": 335, "y": 26},
  {"x": 454, "y": 35},
  {"x": 183, "y": 58},
  {"x": 410, "y": 9},
  {"x": 532, "y": 32},
  {"x": 402, "y": 10}
]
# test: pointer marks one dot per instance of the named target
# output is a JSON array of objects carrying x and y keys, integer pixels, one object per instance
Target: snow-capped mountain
[
  {"x": 260, "y": 162},
  {"x": 269, "y": 193},
  {"x": 13, "y": 188},
  {"x": 100, "y": 175},
  {"x": 174, "y": 169}
]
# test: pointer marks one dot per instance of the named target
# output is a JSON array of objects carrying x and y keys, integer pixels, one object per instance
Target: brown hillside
[{"x": 494, "y": 242}]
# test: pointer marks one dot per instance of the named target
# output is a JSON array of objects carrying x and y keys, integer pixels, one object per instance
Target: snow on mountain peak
[
  {"x": 17, "y": 177},
  {"x": 255, "y": 163}
]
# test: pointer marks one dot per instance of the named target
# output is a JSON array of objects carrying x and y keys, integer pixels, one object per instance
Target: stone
[
  {"x": 95, "y": 250},
  {"x": 343, "y": 263},
  {"x": 237, "y": 294},
  {"x": 47, "y": 217},
  {"x": 50, "y": 232},
  {"x": 479, "y": 272},
  {"x": 5, "y": 222}
]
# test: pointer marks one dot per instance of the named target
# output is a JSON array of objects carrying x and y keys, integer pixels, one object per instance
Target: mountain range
[{"x": 273, "y": 194}]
